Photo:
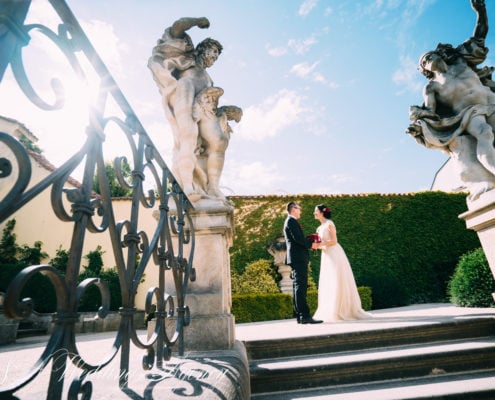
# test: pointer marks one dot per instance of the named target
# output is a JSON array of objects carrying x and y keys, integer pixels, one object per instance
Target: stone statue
[
  {"x": 458, "y": 113},
  {"x": 190, "y": 101}
]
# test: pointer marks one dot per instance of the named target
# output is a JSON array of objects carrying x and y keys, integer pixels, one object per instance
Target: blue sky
[{"x": 325, "y": 85}]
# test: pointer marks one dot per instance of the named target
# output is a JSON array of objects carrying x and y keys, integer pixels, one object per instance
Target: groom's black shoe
[{"x": 310, "y": 320}]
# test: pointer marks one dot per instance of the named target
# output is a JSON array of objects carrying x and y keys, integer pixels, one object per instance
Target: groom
[{"x": 298, "y": 258}]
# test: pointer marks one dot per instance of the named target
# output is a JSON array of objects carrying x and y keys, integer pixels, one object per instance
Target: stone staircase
[{"x": 450, "y": 360}]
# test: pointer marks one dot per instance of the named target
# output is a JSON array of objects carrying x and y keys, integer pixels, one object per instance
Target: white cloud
[
  {"x": 276, "y": 51},
  {"x": 271, "y": 117},
  {"x": 305, "y": 71},
  {"x": 334, "y": 184},
  {"x": 319, "y": 78},
  {"x": 107, "y": 44},
  {"x": 306, "y": 7},
  {"x": 249, "y": 179},
  {"x": 296, "y": 46},
  {"x": 301, "y": 46},
  {"x": 101, "y": 34},
  {"x": 328, "y": 11}
]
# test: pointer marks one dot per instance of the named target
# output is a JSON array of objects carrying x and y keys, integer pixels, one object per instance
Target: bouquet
[{"x": 313, "y": 238}]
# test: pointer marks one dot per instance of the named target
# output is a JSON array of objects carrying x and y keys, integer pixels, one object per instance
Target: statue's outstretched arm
[
  {"x": 481, "y": 28},
  {"x": 182, "y": 25}
]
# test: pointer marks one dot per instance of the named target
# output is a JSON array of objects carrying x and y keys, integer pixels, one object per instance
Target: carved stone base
[
  {"x": 209, "y": 296},
  {"x": 205, "y": 332},
  {"x": 481, "y": 218},
  {"x": 286, "y": 282}
]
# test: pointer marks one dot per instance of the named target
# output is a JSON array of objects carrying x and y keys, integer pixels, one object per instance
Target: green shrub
[
  {"x": 258, "y": 277},
  {"x": 261, "y": 307},
  {"x": 38, "y": 288},
  {"x": 275, "y": 306},
  {"x": 14, "y": 258},
  {"x": 312, "y": 299},
  {"x": 472, "y": 283},
  {"x": 91, "y": 299}
]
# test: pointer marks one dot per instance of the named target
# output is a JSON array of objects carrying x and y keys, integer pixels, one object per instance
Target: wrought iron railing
[{"x": 170, "y": 246}]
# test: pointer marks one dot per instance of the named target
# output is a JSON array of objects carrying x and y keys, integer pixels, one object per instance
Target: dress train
[{"x": 338, "y": 297}]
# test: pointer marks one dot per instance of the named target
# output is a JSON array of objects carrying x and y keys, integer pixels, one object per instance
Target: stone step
[
  {"x": 373, "y": 364},
  {"x": 375, "y": 338},
  {"x": 477, "y": 385},
  {"x": 28, "y": 328}
]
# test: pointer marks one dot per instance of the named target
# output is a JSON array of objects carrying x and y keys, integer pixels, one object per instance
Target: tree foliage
[
  {"x": 95, "y": 261},
  {"x": 116, "y": 189},
  {"x": 8, "y": 245}
]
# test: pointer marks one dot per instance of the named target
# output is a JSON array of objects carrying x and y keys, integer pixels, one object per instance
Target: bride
[{"x": 338, "y": 297}]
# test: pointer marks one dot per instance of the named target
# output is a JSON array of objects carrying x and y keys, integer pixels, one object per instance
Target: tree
[
  {"x": 60, "y": 260},
  {"x": 8, "y": 245},
  {"x": 116, "y": 190},
  {"x": 95, "y": 261},
  {"x": 32, "y": 255}
]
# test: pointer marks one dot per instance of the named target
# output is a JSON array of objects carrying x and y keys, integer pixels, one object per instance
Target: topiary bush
[
  {"x": 472, "y": 283},
  {"x": 258, "y": 277}
]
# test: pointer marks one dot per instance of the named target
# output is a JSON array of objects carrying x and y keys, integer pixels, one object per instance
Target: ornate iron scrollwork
[{"x": 170, "y": 246}]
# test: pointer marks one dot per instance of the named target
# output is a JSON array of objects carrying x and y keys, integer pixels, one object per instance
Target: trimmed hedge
[
  {"x": 401, "y": 246},
  {"x": 275, "y": 306}
]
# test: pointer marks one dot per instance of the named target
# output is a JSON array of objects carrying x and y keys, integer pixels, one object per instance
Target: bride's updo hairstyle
[{"x": 327, "y": 213}]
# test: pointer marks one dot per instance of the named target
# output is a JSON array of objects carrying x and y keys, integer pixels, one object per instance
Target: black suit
[{"x": 298, "y": 258}]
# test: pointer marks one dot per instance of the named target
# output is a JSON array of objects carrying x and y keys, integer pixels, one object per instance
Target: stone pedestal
[
  {"x": 481, "y": 218},
  {"x": 209, "y": 296},
  {"x": 286, "y": 283},
  {"x": 278, "y": 250}
]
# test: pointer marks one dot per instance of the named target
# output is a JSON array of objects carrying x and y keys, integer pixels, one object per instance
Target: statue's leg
[
  {"x": 215, "y": 167},
  {"x": 475, "y": 176},
  {"x": 217, "y": 142},
  {"x": 185, "y": 159}
]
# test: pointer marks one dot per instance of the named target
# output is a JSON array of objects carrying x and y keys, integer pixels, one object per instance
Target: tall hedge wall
[{"x": 405, "y": 247}]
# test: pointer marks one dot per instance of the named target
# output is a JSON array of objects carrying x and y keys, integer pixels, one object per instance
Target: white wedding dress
[{"x": 338, "y": 298}]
